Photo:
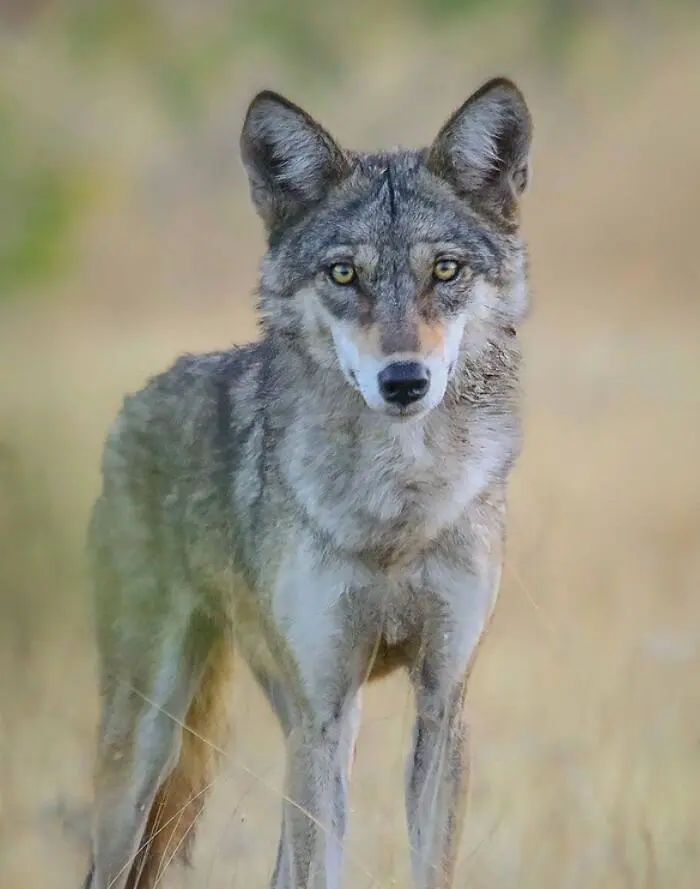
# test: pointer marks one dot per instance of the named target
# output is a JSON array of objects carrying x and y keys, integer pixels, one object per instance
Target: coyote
[{"x": 328, "y": 502}]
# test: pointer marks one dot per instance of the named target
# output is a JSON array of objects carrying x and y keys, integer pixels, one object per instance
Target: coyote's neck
[{"x": 367, "y": 481}]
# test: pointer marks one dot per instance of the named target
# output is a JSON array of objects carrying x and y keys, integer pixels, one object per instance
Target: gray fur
[{"x": 267, "y": 494}]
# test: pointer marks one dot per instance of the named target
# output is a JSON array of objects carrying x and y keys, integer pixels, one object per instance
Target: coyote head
[{"x": 394, "y": 267}]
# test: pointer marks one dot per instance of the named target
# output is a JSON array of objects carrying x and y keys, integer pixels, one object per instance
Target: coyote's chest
[
  {"x": 393, "y": 495},
  {"x": 405, "y": 496}
]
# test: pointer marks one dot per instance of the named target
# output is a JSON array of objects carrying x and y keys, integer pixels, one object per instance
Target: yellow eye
[
  {"x": 342, "y": 273},
  {"x": 446, "y": 269}
]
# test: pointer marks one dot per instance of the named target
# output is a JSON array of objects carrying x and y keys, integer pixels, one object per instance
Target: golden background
[{"x": 126, "y": 237}]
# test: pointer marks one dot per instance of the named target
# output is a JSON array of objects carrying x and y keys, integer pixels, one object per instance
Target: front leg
[
  {"x": 436, "y": 787},
  {"x": 437, "y": 773},
  {"x": 317, "y": 701},
  {"x": 314, "y": 817}
]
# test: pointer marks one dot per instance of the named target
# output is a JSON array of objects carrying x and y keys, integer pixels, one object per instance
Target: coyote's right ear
[
  {"x": 290, "y": 159},
  {"x": 484, "y": 148}
]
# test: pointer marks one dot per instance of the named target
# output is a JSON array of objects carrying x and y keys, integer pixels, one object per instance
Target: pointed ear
[
  {"x": 484, "y": 148},
  {"x": 290, "y": 159}
]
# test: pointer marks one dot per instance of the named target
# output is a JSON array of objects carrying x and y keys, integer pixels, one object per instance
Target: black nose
[{"x": 404, "y": 382}]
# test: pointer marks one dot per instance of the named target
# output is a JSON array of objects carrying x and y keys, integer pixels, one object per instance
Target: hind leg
[{"x": 140, "y": 738}]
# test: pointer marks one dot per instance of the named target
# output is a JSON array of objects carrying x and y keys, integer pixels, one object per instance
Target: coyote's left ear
[{"x": 484, "y": 148}]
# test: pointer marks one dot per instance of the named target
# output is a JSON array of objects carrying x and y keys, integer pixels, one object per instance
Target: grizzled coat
[{"x": 328, "y": 501}]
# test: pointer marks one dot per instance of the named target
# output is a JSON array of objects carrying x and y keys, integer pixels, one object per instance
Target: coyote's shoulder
[{"x": 170, "y": 413}]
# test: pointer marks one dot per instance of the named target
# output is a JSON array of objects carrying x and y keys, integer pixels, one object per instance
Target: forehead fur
[{"x": 392, "y": 201}]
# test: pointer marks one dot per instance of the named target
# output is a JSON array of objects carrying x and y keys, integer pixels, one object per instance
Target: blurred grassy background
[{"x": 126, "y": 236}]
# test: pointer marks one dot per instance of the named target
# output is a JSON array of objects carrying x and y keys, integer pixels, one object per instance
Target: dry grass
[{"x": 586, "y": 698}]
